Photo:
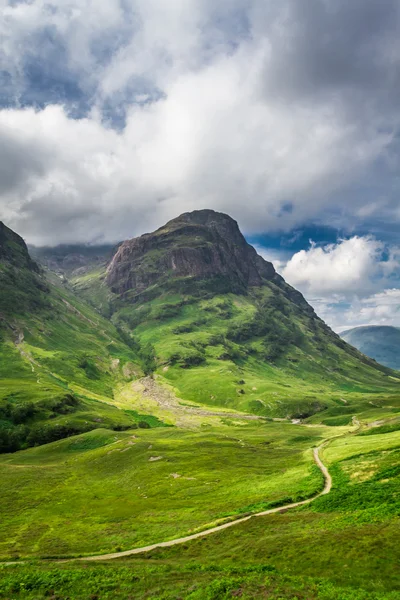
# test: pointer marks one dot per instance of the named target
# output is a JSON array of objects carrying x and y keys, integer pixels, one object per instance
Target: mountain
[
  {"x": 380, "y": 342},
  {"x": 191, "y": 304},
  {"x": 59, "y": 359},
  {"x": 203, "y": 245},
  {"x": 23, "y": 288},
  {"x": 223, "y": 327},
  {"x": 70, "y": 259}
]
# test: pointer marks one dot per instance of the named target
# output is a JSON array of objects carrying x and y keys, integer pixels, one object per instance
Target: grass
[
  {"x": 343, "y": 545},
  {"x": 194, "y": 582},
  {"x": 102, "y": 490},
  {"x": 96, "y": 470},
  {"x": 67, "y": 354},
  {"x": 205, "y": 348},
  {"x": 346, "y": 447}
]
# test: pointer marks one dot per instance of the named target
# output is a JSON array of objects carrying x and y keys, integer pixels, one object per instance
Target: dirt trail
[{"x": 194, "y": 536}]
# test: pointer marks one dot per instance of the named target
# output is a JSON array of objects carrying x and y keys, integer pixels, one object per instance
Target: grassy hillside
[
  {"x": 381, "y": 343},
  {"x": 258, "y": 352},
  {"x": 223, "y": 328},
  {"x": 59, "y": 366},
  {"x": 23, "y": 289},
  {"x": 343, "y": 545},
  {"x": 60, "y": 361},
  {"x": 128, "y": 489}
]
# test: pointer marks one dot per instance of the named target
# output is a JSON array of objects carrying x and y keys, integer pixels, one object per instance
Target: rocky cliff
[{"x": 203, "y": 244}]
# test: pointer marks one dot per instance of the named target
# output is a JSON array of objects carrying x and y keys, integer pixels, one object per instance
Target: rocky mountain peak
[{"x": 198, "y": 245}]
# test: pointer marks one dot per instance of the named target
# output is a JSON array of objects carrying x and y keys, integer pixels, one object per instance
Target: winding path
[{"x": 194, "y": 536}]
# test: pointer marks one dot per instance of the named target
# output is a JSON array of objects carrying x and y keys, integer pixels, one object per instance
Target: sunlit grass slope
[
  {"x": 105, "y": 490},
  {"x": 342, "y": 546},
  {"x": 59, "y": 366},
  {"x": 240, "y": 352}
]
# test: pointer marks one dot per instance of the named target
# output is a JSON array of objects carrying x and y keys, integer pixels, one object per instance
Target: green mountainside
[
  {"x": 23, "y": 288},
  {"x": 59, "y": 359},
  {"x": 380, "y": 342},
  {"x": 225, "y": 328},
  {"x": 174, "y": 384}
]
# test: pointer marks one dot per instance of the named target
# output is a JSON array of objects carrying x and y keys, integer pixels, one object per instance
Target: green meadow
[
  {"x": 102, "y": 491},
  {"x": 342, "y": 546}
]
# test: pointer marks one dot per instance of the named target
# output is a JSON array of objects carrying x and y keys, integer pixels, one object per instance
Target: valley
[{"x": 177, "y": 384}]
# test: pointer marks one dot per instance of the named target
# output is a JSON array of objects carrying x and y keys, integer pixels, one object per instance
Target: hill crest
[
  {"x": 201, "y": 244},
  {"x": 380, "y": 342}
]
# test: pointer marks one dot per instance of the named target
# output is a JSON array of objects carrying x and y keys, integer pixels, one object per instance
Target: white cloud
[
  {"x": 209, "y": 143},
  {"x": 278, "y": 258},
  {"x": 382, "y": 308},
  {"x": 348, "y": 283},
  {"x": 212, "y": 119},
  {"x": 348, "y": 267}
]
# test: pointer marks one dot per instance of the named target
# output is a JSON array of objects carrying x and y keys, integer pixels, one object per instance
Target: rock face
[{"x": 203, "y": 244}]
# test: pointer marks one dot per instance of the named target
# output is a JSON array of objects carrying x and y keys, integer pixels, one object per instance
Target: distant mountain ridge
[
  {"x": 380, "y": 342},
  {"x": 66, "y": 259}
]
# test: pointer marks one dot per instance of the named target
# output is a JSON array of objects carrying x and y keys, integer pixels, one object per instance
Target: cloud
[
  {"x": 382, "y": 308},
  {"x": 352, "y": 282},
  {"x": 350, "y": 267},
  {"x": 121, "y": 115}
]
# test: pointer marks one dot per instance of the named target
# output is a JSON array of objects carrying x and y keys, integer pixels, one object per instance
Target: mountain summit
[
  {"x": 193, "y": 305},
  {"x": 203, "y": 244}
]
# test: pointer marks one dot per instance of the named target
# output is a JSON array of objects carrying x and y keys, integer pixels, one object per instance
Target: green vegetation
[
  {"x": 343, "y": 545},
  {"x": 59, "y": 367},
  {"x": 133, "y": 488},
  {"x": 205, "y": 347},
  {"x": 22, "y": 286},
  {"x": 158, "y": 403},
  {"x": 195, "y": 581}
]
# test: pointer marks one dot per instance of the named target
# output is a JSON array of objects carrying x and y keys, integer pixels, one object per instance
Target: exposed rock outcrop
[{"x": 199, "y": 245}]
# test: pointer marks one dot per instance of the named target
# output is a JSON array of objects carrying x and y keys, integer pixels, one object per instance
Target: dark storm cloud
[
  {"x": 282, "y": 114},
  {"x": 334, "y": 47}
]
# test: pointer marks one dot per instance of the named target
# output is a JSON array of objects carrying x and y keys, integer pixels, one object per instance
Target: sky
[{"x": 117, "y": 115}]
